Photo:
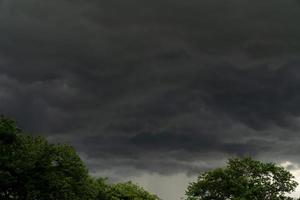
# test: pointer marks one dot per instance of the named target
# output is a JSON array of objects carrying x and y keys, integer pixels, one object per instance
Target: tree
[
  {"x": 243, "y": 179},
  {"x": 124, "y": 191},
  {"x": 103, "y": 192},
  {"x": 33, "y": 169},
  {"x": 130, "y": 191}
]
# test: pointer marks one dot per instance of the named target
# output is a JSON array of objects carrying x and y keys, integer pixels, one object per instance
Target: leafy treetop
[{"x": 243, "y": 179}]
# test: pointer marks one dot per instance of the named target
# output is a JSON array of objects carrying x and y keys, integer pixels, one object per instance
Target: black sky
[{"x": 153, "y": 86}]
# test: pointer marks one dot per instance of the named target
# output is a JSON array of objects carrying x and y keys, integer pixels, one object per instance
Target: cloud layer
[{"x": 155, "y": 86}]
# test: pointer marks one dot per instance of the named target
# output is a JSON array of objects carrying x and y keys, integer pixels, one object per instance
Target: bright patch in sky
[
  {"x": 296, "y": 172},
  {"x": 166, "y": 187}
]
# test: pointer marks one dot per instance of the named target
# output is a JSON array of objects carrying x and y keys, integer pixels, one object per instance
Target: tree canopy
[
  {"x": 129, "y": 191},
  {"x": 33, "y": 169},
  {"x": 122, "y": 191},
  {"x": 243, "y": 179}
]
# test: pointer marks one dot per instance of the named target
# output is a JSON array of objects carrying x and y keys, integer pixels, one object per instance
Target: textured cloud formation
[{"x": 155, "y": 86}]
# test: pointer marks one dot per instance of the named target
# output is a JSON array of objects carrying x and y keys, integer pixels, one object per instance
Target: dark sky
[{"x": 162, "y": 87}]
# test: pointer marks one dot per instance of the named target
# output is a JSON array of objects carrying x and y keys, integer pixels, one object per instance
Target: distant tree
[
  {"x": 33, "y": 169},
  {"x": 243, "y": 179},
  {"x": 128, "y": 191}
]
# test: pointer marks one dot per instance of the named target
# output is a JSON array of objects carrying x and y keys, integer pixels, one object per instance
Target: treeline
[{"x": 33, "y": 169}]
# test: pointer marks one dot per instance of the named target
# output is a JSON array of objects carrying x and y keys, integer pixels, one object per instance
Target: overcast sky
[{"x": 155, "y": 91}]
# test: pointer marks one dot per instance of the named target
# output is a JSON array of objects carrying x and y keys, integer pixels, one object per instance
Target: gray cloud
[{"x": 154, "y": 86}]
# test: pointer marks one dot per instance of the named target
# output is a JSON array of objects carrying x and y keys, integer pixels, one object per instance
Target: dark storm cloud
[{"x": 154, "y": 85}]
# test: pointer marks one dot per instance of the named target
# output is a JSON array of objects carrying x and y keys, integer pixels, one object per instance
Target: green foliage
[
  {"x": 33, "y": 169},
  {"x": 243, "y": 179},
  {"x": 8, "y": 131},
  {"x": 103, "y": 189},
  {"x": 129, "y": 191},
  {"x": 121, "y": 191}
]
